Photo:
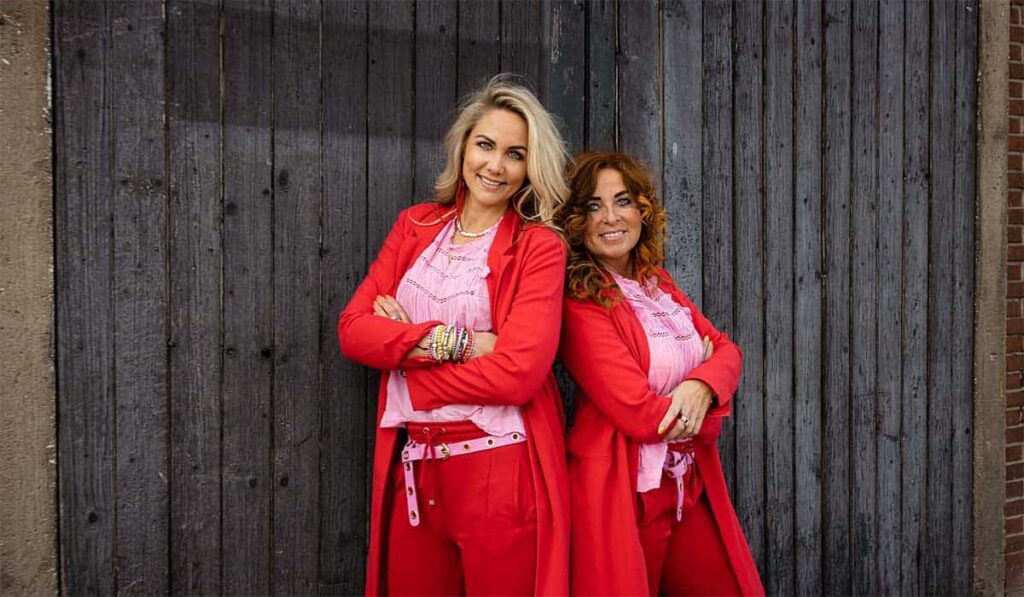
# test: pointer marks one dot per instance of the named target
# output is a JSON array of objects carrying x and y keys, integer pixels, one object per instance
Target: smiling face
[
  {"x": 494, "y": 160},
  {"x": 613, "y": 223}
]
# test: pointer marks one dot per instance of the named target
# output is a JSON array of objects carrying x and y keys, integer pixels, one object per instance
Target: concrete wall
[{"x": 28, "y": 513}]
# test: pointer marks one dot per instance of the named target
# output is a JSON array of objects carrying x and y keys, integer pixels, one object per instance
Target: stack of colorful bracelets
[{"x": 452, "y": 343}]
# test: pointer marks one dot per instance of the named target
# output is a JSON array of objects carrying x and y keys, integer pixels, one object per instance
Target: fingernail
[{"x": 661, "y": 430}]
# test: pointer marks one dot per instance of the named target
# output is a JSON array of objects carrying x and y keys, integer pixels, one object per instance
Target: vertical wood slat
[
  {"x": 717, "y": 172},
  {"x": 345, "y": 419},
  {"x": 915, "y": 296},
  {"x": 436, "y": 89},
  {"x": 808, "y": 326},
  {"x": 601, "y": 108},
  {"x": 478, "y": 45},
  {"x": 837, "y": 292},
  {"x": 682, "y": 190},
  {"x": 140, "y": 296},
  {"x": 961, "y": 367},
  {"x": 389, "y": 147},
  {"x": 778, "y": 151},
  {"x": 296, "y": 306},
  {"x": 84, "y": 316},
  {"x": 520, "y": 46},
  {"x": 247, "y": 477},
  {"x": 748, "y": 283},
  {"x": 639, "y": 84},
  {"x": 565, "y": 78},
  {"x": 864, "y": 295},
  {"x": 889, "y": 463},
  {"x": 938, "y": 560},
  {"x": 194, "y": 155}
]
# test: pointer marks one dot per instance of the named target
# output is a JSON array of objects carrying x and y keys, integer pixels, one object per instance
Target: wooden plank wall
[{"x": 226, "y": 169}]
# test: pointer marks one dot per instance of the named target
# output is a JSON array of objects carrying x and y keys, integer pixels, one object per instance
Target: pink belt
[
  {"x": 676, "y": 465},
  {"x": 428, "y": 450}
]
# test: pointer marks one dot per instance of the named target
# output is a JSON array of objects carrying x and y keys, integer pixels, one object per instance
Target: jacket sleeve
[
  {"x": 722, "y": 371},
  {"x": 374, "y": 341},
  {"x": 598, "y": 359},
  {"x": 526, "y": 345}
]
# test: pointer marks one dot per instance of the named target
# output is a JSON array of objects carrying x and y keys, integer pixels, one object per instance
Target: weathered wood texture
[{"x": 226, "y": 170}]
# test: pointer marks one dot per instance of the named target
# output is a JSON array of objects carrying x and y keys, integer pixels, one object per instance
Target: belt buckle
[{"x": 444, "y": 452}]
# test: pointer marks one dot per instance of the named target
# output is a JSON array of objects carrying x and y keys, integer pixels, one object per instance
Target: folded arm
[
  {"x": 525, "y": 347},
  {"x": 374, "y": 341},
  {"x": 598, "y": 359}
]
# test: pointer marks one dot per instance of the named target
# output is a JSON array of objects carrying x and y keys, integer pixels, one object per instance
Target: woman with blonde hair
[
  {"x": 650, "y": 510},
  {"x": 461, "y": 312}
]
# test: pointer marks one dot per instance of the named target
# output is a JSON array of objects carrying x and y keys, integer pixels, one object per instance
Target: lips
[
  {"x": 488, "y": 183},
  {"x": 613, "y": 236}
]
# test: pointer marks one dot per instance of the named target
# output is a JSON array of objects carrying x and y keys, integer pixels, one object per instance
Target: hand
[
  {"x": 387, "y": 306},
  {"x": 685, "y": 415},
  {"x": 485, "y": 342}
]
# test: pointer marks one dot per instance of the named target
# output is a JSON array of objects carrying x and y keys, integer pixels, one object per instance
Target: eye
[
  {"x": 623, "y": 201},
  {"x": 591, "y": 207},
  {"x": 516, "y": 155},
  {"x": 485, "y": 145}
]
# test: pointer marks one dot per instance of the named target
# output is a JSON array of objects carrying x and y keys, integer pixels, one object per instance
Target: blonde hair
[{"x": 544, "y": 190}]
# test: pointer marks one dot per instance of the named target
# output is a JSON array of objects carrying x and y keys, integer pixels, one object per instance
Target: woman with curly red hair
[{"x": 650, "y": 510}]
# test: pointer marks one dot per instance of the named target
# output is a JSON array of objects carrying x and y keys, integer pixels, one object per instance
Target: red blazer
[
  {"x": 607, "y": 354},
  {"x": 526, "y": 283}
]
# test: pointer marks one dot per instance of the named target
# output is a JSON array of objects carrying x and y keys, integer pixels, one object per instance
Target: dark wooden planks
[
  {"x": 140, "y": 296},
  {"x": 639, "y": 85},
  {"x": 83, "y": 292},
  {"x": 479, "y": 29},
  {"x": 682, "y": 190},
  {"x": 914, "y": 377},
  {"x": 345, "y": 419},
  {"x": 565, "y": 76},
  {"x": 938, "y": 558},
  {"x": 808, "y": 325},
  {"x": 520, "y": 45},
  {"x": 247, "y": 476},
  {"x": 778, "y": 151},
  {"x": 296, "y": 301},
  {"x": 837, "y": 161},
  {"x": 863, "y": 296},
  {"x": 436, "y": 89},
  {"x": 717, "y": 170},
  {"x": 748, "y": 285},
  {"x": 962, "y": 358},
  {"x": 601, "y": 106},
  {"x": 389, "y": 146},
  {"x": 889, "y": 322},
  {"x": 193, "y": 120}
]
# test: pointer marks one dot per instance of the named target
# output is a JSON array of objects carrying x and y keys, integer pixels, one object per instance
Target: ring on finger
[{"x": 685, "y": 419}]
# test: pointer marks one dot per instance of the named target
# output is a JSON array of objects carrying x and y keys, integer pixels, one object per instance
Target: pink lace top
[
  {"x": 448, "y": 282},
  {"x": 675, "y": 349}
]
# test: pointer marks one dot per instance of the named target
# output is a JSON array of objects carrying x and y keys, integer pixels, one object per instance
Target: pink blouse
[
  {"x": 675, "y": 349},
  {"x": 448, "y": 282}
]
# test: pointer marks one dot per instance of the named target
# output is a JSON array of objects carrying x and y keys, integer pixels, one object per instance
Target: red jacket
[
  {"x": 607, "y": 354},
  {"x": 526, "y": 282}
]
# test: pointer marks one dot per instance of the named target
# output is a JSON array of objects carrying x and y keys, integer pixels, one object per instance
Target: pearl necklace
[{"x": 462, "y": 232}]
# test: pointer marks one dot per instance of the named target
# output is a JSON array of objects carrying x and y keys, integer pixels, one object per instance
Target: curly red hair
[{"x": 585, "y": 277}]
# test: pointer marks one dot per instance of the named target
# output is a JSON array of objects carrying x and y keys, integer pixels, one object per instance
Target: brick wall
[{"x": 1015, "y": 309}]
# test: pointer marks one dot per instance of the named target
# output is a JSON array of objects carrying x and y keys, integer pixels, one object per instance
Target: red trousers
[
  {"x": 478, "y": 524},
  {"x": 686, "y": 557}
]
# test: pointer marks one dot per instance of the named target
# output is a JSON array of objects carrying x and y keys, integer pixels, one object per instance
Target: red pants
[
  {"x": 686, "y": 557},
  {"x": 478, "y": 524}
]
